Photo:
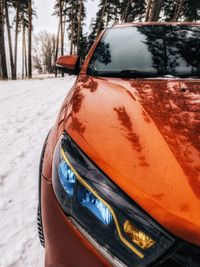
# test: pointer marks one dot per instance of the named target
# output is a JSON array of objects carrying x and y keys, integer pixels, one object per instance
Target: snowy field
[{"x": 28, "y": 109}]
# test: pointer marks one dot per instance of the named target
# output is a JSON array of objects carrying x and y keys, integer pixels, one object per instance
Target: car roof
[{"x": 129, "y": 24}]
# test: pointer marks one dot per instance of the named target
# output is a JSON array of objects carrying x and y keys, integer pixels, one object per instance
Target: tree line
[
  {"x": 21, "y": 21},
  {"x": 71, "y": 16}
]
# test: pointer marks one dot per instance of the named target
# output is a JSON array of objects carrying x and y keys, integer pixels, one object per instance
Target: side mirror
[{"x": 69, "y": 64}]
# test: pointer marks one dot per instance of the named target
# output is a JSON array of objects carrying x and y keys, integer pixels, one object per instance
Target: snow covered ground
[{"x": 27, "y": 111}]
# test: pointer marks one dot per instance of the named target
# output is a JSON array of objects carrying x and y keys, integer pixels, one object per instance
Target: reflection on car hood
[{"x": 145, "y": 135}]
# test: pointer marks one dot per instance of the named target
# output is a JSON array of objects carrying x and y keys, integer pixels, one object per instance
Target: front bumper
[{"x": 64, "y": 244}]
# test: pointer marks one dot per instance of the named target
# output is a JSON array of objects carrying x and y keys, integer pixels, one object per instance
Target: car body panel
[
  {"x": 69, "y": 62},
  {"x": 146, "y": 140},
  {"x": 142, "y": 133}
]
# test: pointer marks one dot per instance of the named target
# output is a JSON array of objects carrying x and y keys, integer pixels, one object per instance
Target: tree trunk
[
  {"x": 3, "y": 65},
  {"x": 12, "y": 67},
  {"x": 25, "y": 55},
  {"x": 57, "y": 47},
  {"x": 178, "y": 10},
  {"x": 23, "y": 46},
  {"x": 79, "y": 27},
  {"x": 102, "y": 15},
  {"x": 127, "y": 11},
  {"x": 64, "y": 21},
  {"x": 30, "y": 39},
  {"x": 61, "y": 28},
  {"x": 155, "y": 10},
  {"x": 72, "y": 33},
  {"x": 16, "y": 37},
  {"x": 149, "y": 4}
]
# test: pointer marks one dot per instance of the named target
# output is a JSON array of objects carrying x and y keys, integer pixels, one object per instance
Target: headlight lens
[
  {"x": 94, "y": 205},
  {"x": 67, "y": 177},
  {"x": 106, "y": 213}
]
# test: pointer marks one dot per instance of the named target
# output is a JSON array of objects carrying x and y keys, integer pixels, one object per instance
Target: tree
[
  {"x": 148, "y": 9},
  {"x": 44, "y": 52},
  {"x": 132, "y": 10},
  {"x": 20, "y": 22},
  {"x": 3, "y": 65},
  {"x": 155, "y": 10},
  {"x": 190, "y": 10},
  {"x": 71, "y": 13},
  {"x": 12, "y": 65},
  {"x": 100, "y": 22},
  {"x": 79, "y": 26},
  {"x": 75, "y": 14},
  {"x": 30, "y": 14},
  {"x": 111, "y": 11},
  {"x": 17, "y": 7},
  {"x": 187, "y": 10},
  {"x": 23, "y": 27}
]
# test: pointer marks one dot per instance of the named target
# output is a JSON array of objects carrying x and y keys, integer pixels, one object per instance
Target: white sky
[{"x": 45, "y": 20}]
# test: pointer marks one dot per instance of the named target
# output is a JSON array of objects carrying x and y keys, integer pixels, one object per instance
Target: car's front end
[{"x": 120, "y": 176}]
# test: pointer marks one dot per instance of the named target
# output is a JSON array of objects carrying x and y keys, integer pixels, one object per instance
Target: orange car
[{"x": 119, "y": 176}]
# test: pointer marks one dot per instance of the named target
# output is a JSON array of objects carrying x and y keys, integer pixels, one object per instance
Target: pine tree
[
  {"x": 75, "y": 14},
  {"x": 155, "y": 10},
  {"x": 12, "y": 65},
  {"x": 3, "y": 64},
  {"x": 191, "y": 10},
  {"x": 111, "y": 11},
  {"x": 132, "y": 10},
  {"x": 172, "y": 10},
  {"x": 103, "y": 17},
  {"x": 20, "y": 21},
  {"x": 30, "y": 28},
  {"x": 72, "y": 13},
  {"x": 179, "y": 10}
]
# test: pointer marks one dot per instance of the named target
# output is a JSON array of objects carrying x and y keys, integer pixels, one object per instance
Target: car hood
[{"x": 145, "y": 135}]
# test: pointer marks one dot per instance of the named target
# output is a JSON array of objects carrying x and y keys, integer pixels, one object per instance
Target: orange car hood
[{"x": 144, "y": 134}]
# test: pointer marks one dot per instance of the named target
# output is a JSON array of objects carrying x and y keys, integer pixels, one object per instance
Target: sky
[{"x": 46, "y": 22}]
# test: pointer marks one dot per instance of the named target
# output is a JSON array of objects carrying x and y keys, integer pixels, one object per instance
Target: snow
[{"x": 27, "y": 111}]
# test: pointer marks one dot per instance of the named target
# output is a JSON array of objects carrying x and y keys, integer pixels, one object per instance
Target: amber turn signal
[{"x": 137, "y": 236}]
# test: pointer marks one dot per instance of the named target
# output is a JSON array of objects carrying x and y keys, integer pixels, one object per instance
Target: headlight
[{"x": 103, "y": 210}]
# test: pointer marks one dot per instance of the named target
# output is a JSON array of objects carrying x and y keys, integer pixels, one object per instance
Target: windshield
[{"x": 148, "y": 51}]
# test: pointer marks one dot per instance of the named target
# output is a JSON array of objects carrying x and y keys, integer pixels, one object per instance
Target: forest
[{"x": 38, "y": 53}]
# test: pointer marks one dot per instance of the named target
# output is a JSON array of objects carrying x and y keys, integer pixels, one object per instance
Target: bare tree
[{"x": 44, "y": 52}]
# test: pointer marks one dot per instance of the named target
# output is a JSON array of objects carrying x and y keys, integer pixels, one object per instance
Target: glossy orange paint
[
  {"x": 146, "y": 141},
  {"x": 69, "y": 62},
  {"x": 145, "y": 135}
]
